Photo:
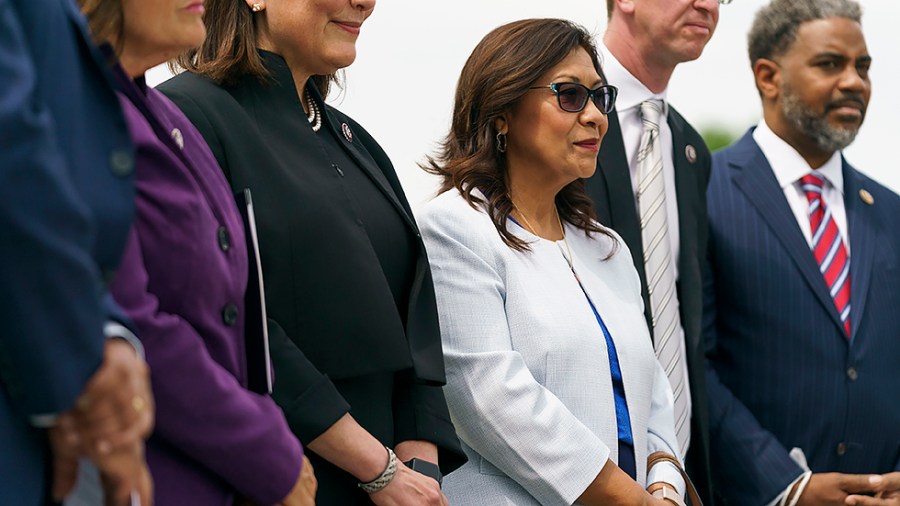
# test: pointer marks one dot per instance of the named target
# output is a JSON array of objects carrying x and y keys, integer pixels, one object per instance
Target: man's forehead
[{"x": 830, "y": 36}]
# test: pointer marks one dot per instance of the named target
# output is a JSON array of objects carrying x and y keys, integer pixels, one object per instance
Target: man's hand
[
  {"x": 108, "y": 425},
  {"x": 116, "y": 408},
  {"x": 124, "y": 473},
  {"x": 304, "y": 491},
  {"x": 65, "y": 460},
  {"x": 886, "y": 488},
  {"x": 827, "y": 489}
]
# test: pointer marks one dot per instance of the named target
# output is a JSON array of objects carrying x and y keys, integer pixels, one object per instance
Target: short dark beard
[{"x": 815, "y": 126}]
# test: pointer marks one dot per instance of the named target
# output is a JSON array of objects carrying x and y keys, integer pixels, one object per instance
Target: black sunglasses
[{"x": 573, "y": 97}]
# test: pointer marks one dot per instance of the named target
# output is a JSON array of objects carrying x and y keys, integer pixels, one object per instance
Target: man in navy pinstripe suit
[{"x": 802, "y": 285}]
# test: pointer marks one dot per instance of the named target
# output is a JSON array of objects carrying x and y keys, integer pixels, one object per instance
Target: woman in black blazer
[{"x": 355, "y": 338}]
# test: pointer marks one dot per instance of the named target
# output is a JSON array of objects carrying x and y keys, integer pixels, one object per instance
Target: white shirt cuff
[
  {"x": 666, "y": 472},
  {"x": 116, "y": 330},
  {"x": 43, "y": 421},
  {"x": 780, "y": 497}
]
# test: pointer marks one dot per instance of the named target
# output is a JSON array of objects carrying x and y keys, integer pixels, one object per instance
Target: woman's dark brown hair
[
  {"x": 106, "y": 21},
  {"x": 496, "y": 76},
  {"x": 229, "y": 51}
]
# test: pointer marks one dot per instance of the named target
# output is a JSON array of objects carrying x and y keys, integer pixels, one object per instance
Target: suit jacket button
[
  {"x": 121, "y": 162},
  {"x": 852, "y": 374},
  {"x": 841, "y": 449},
  {"x": 224, "y": 239},
  {"x": 230, "y": 315}
]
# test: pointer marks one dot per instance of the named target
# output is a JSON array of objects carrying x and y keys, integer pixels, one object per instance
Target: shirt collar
[
  {"x": 631, "y": 91},
  {"x": 789, "y": 166}
]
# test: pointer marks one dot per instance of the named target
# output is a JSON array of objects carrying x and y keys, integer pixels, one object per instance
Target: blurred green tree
[{"x": 717, "y": 137}]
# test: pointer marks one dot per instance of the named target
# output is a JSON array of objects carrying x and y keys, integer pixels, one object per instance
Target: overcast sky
[{"x": 410, "y": 53}]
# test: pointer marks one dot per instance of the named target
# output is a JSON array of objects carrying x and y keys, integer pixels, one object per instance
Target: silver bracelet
[{"x": 384, "y": 479}]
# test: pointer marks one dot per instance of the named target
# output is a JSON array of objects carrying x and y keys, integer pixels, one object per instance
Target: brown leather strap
[{"x": 693, "y": 497}]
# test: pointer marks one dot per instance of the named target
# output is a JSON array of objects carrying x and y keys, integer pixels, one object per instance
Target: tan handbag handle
[{"x": 692, "y": 496}]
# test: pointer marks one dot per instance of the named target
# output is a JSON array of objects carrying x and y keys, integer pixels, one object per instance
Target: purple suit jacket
[{"x": 182, "y": 281}]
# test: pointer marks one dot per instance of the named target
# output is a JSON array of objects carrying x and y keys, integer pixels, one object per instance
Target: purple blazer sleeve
[{"x": 182, "y": 283}]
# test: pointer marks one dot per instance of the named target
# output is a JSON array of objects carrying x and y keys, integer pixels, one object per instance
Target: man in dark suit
[
  {"x": 802, "y": 286},
  {"x": 65, "y": 206},
  {"x": 659, "y": 208}
]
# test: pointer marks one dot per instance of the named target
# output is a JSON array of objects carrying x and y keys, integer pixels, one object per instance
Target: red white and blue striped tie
[{"x": 828, "y": 247}]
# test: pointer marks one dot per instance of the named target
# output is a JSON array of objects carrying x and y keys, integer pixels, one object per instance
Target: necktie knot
[
  {"x": 812, "y": 185},
  {"x": 813, "y": 180},
  {"x": 651, "y": 110}
]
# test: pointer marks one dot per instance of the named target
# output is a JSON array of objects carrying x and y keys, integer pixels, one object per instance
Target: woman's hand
[
  {"x": 409, "y": 488},
  {"x": 304, "y": 491},
  {"x": 347, "y": 445},
  {"x": 614, "y": 486},
  {"x": 417, "y": 449}
]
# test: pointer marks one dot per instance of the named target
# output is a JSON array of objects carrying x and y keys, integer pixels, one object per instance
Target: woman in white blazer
[{"x": 552, "y": 381}]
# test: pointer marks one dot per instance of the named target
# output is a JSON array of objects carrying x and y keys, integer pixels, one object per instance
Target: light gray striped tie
[{"x": 651, "y": 198}]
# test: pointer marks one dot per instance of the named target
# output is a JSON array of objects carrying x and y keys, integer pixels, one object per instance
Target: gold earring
[{"x": 256, "y": 7}]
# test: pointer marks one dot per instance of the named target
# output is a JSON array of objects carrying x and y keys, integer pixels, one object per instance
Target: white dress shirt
[
  {"x": 628, "y": 109},
  {"x": 789, "y": 166}
]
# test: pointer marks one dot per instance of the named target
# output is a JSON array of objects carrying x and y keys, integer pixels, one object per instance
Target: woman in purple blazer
[{"x": 183, "y": 279}]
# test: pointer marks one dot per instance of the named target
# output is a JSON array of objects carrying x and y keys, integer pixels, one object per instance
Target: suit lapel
[
  {"x": 753, "y": 175},
  {"x": 364, "y": 159},
  {"x": 862, "y": 225},
  {"x": 686, "y": 194}
]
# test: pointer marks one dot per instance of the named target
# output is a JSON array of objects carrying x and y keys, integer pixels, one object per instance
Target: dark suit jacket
[
  {"x": 253, "y": 131},
  {"x": 783, "y": 373},
  {"x": 65, "y": 207},
  {"x": 610, "y": 189}
]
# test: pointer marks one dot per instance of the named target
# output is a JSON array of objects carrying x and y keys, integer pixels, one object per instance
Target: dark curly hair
[{"x": 496, "y": 76}]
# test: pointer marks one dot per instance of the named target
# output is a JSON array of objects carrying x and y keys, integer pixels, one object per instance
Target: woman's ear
[
  {"x": 500, "y": 125},
  {"x": 256, "y": 5}
]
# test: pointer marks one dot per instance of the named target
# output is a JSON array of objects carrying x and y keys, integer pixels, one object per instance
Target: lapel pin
[
  {"x": 178, "y": 138},
  {"x": 866, "y": 197},
  {"x": 691, "y": 153},
  {"x": 345, "y": 128}
]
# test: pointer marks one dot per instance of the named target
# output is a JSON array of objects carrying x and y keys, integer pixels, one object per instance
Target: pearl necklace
[
  {"x": 561, "y": 228},
  {"x": 315, "y": 117}
]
